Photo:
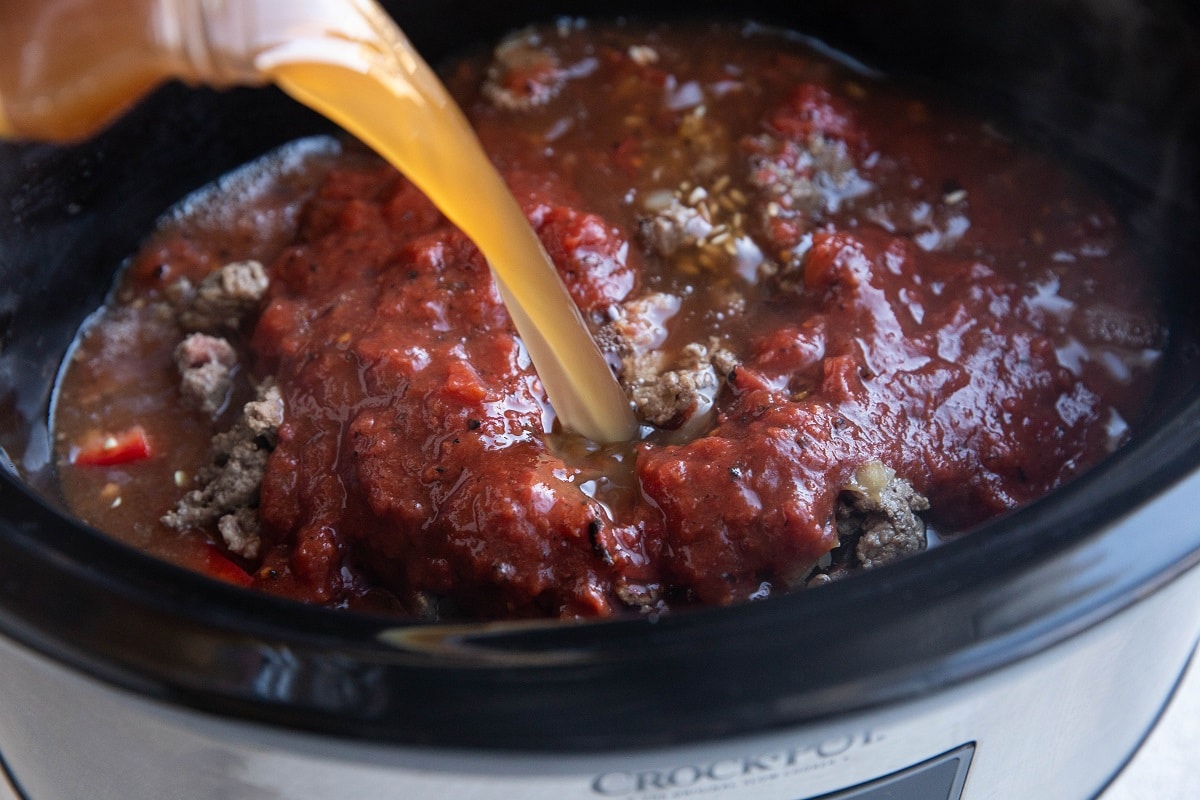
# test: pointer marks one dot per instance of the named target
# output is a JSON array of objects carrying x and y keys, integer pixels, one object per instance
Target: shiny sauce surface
[{"x": 799, "y": 271}]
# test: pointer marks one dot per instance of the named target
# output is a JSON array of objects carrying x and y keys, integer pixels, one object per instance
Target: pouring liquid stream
[
  {"x": 351, "y": 63},
  {"x": 386, "y": 95}
]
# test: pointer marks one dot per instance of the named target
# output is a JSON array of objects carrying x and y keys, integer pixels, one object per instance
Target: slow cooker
[{"x": 1026, "y": 659}]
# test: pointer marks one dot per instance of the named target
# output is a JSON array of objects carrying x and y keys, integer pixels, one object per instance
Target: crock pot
[{"x": 1026, "y": 659}]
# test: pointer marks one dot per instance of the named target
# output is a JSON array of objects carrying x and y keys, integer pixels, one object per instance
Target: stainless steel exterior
[{"x": 1056, "y": 725}]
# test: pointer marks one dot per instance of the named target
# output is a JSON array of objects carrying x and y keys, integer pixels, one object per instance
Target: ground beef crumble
[
  {"x": 878, "y": 511},
  {"x": 206, "y": 365},
  {"x": 523, "y": 74},
  {"x": 223, "y": 298},
  {"x": 668, "y": 391},
  {"x": 231, "y": 480}
]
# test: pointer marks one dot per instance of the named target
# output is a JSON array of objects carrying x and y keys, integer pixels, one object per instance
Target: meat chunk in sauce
[
  {"x": 842, "y": 313},
  {"x": 231, "y": 481},
  {"x": 878, "y": 512},
  {"x": 206, "y": 364},
  {"x": 223, "y": 298}
]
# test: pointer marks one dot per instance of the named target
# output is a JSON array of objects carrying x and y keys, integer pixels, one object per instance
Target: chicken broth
[{"x": 843, "y": 313}]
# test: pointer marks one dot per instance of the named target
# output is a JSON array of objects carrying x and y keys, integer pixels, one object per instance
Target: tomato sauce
[{"x": 804, "y": 275}]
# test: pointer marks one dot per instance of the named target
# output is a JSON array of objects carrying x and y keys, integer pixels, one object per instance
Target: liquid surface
[{"x": 844, "y": 313}]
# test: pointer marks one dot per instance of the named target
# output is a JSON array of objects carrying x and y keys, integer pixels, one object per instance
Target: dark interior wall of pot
[{"x": 1108, "y": 83}]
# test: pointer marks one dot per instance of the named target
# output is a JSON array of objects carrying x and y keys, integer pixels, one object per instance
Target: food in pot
[{"x": 846, "y": 314}]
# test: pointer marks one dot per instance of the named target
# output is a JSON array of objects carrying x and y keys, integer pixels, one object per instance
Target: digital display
[{"x": 939, "y": 778}]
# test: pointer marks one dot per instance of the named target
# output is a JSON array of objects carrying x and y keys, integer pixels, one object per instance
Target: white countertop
[
  {"x": 1168, "y": 765},
  {"x": 1166, "y": 768}
]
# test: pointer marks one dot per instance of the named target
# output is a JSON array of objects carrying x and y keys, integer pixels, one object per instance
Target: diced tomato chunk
[
  {"x": 109, "y": 449},
  {"x": 218, "y": 565}
]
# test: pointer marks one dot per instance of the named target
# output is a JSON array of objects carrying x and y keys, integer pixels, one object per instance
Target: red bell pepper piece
[
  {"x": 110, "y": 449},
  {"x": 217, "y": 565}
]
